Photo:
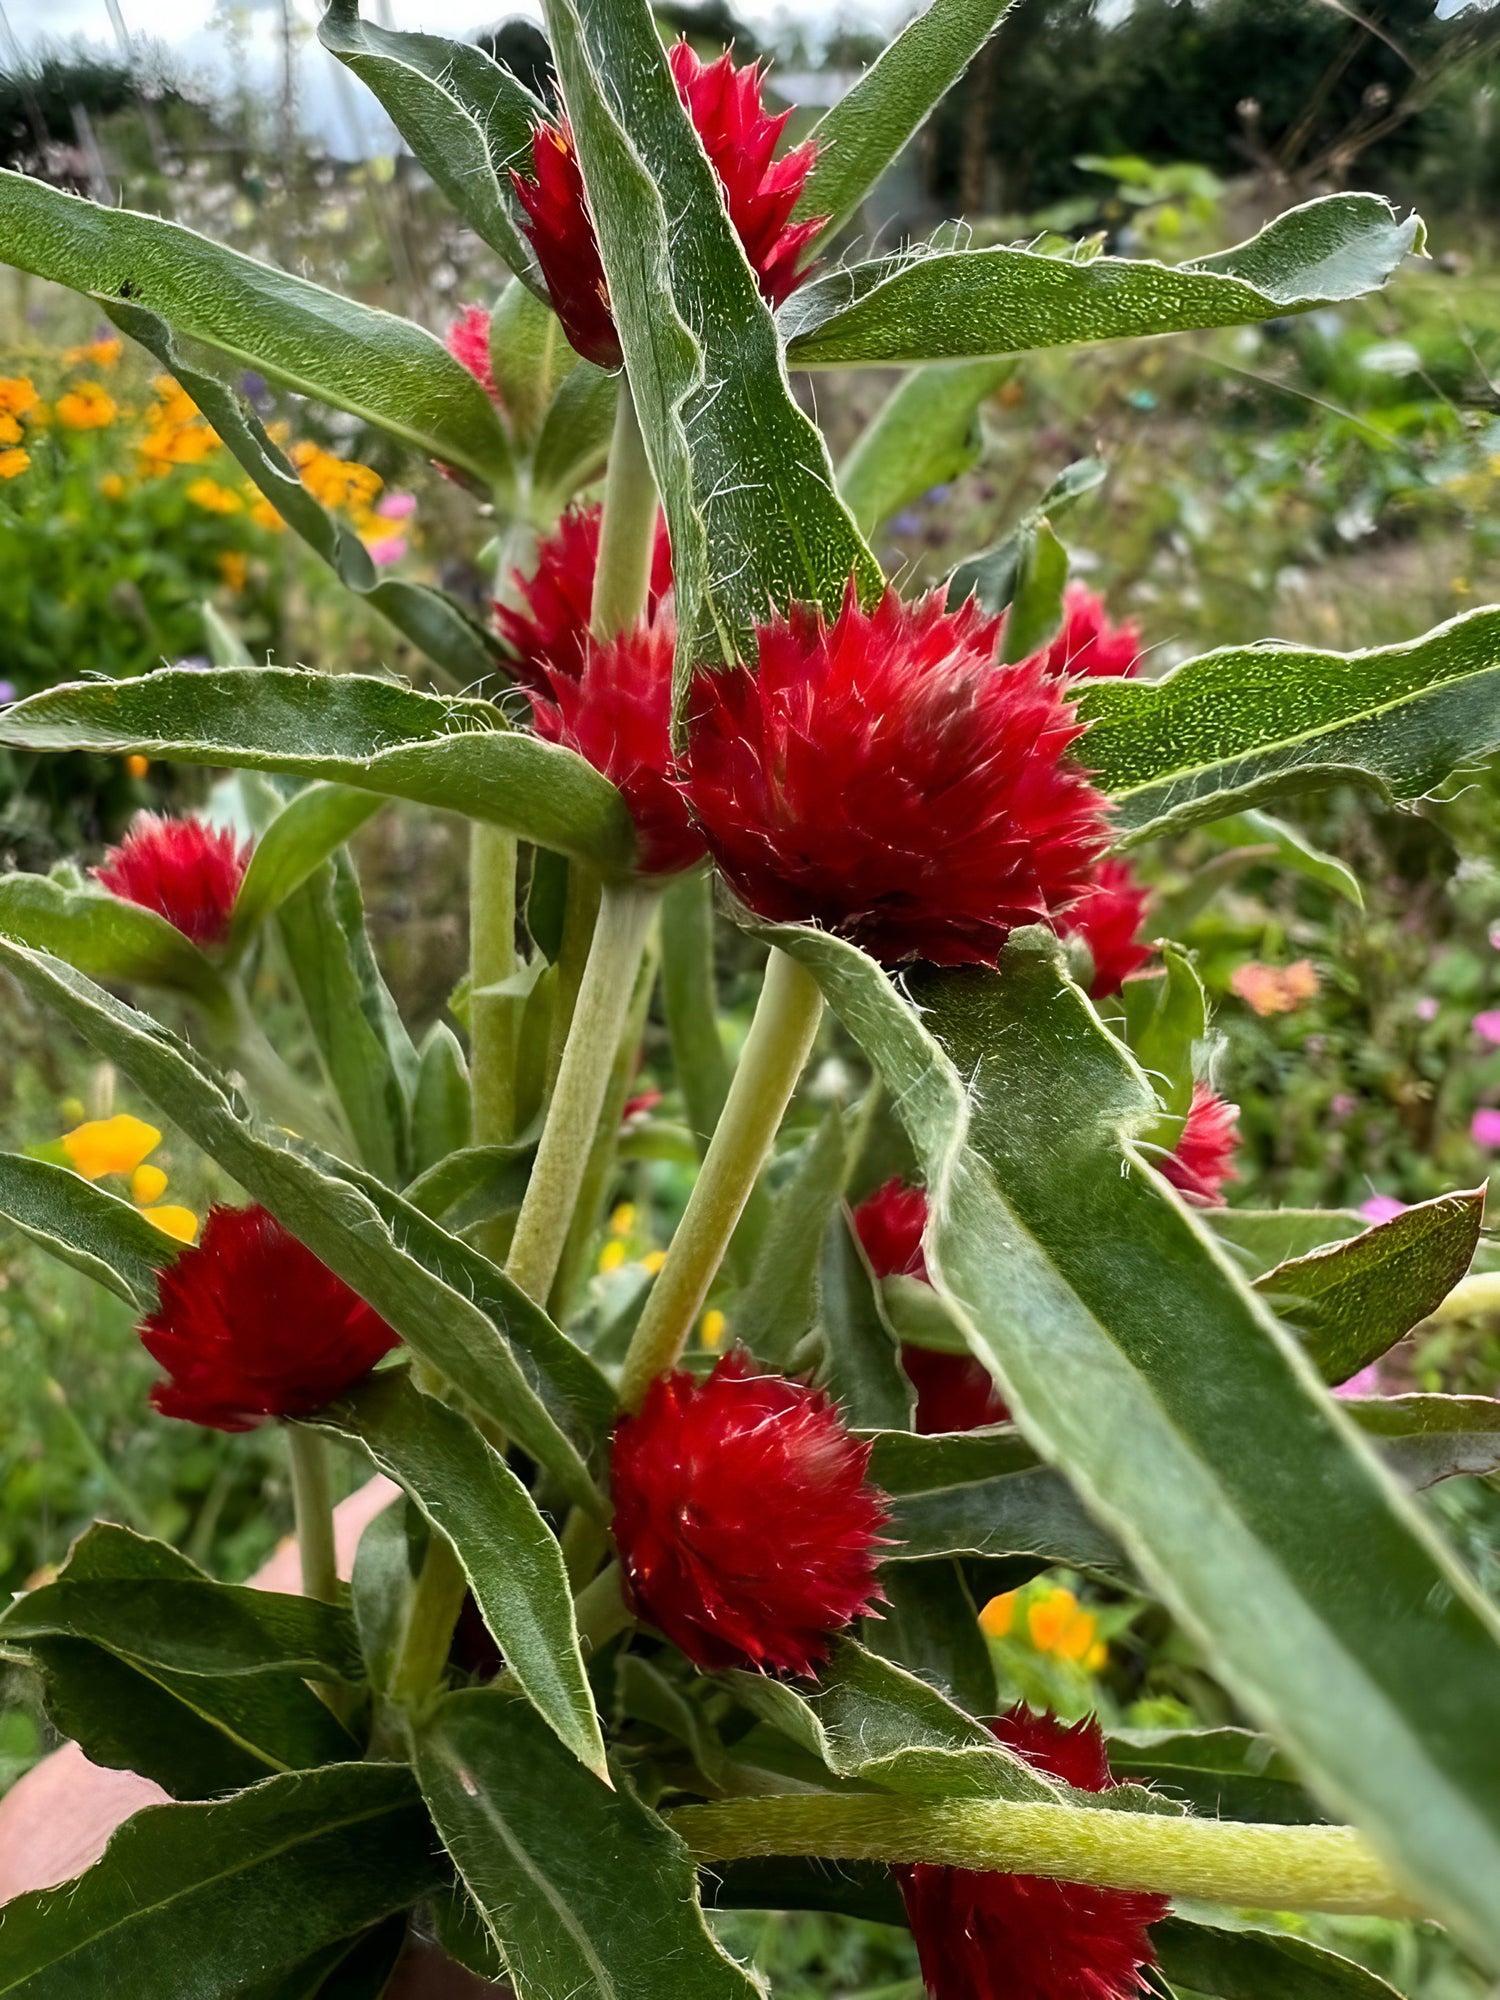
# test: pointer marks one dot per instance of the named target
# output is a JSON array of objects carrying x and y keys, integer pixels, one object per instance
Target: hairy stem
[
  {"x": 1328, "y": 1868},
  {"x": 492, "y": 960},
  {"x": 431, "y": 1613},
  {"x": 312, "y": 1498},
  {"x": 627, "y": 533},
  {"x": 601, "y": 1611},
  {"x": 786, "y": 1020}
]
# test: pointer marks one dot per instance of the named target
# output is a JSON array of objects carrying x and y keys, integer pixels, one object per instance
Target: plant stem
[
  {"x": 625, "y": 913},
  {"x": 601, "y": 1611},
  {"x": 781, "y": 1035},
  {"x": 312, "y": 1498},
  {"x": 627, "y": 533},
  {"x": 492, "y": 959},
  {"x": 431, "y": 1614},
  {"x": 1328, "y": 1868}
]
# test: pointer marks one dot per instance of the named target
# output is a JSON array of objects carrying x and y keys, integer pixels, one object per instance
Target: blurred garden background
[{"x": 1332, "y": 479}]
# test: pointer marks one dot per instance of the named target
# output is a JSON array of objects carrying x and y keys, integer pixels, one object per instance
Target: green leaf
[
  {"x": 341, "y": 1971},
  {"x": 779, "y": 1306},
  {"x": 530, "y": 357},
  {"x": 1190, "y": 1424},
  {"x": 351, "y": 729},
  {"x": 1035, "y": 1513},
  {"x": 1257, "y": 829},
  {"x": 470, "y": 1496},
  {"x": 743, "y": 471},
  {"x": 474, "y": 1184},
  {"x": 954, "y": 305},
  {"x": 465, "y": 116},
  {"x": 1351, "y": 1301},
  {"x": 1221, "y": 1773},
  {"x": 860, "y": 136},
  {"x": 303, "y": 834},
  {"x": 906, "y": 1462},
  {"x": 929, "y": 1624},
  {"x": 699, "y": 1062},
  {"x": 1251, "y": 1964},
  {"x": 859, "y": 1346},
  {"x": 443, "y": 628},
  {"x": 864, "y": 1889},
  {"x": 95, "y": 1232},
  {"x": 394, "y": 375},
  {"x": 1428, "y": 1438},
  {"x": 205, "y": 1899},
  {"x": 926, "y": 432},
  {"x": 1259, "y": 1238},
  {"x": 1223, "y": 732},
  {"x": 442, "y": 1110},
  {"x": 1166, "y": 1020},
  {"x": 991, "y": 575},
  {"x": 108, "y": 938},
  {"x": 387, "y": 1563},
  {"x": 583, "y": 1889},
  {"x": 575, "y": 436},
  {"x": 1036, "y": 605}
]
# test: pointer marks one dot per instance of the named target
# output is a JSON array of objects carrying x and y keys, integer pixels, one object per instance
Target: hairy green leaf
[
  {"x": 929, "y": 1624},
  {"x": 1428, "y": 1438},
  {"x": 575, "y": 436},
  {"x": 442, "y": 1106},
  {"x": 1258, "y": 1238},
  {"x": 779, "y": 1305},
  {"x": 1251, "y": 1964},
  {"x": 95, "y": 1232},
  {"x": 300, "y": 838},
  {"x": 473, "y": 1184},
  {"x": 926, "y": 432},
  {"x": 530, "y": 359},
  {"x": 1221, "y": 1773},
  {"x": 991, "y": 574},
  {"x": 1258, "y": 829},
  {"x": 108, "y": 938}
]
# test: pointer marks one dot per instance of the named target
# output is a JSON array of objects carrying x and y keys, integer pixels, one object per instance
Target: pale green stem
[
  {"x": 492, "y": 960},
  {"x": 1328, "y": 1868},
  {"x": 431, "y": 1614},
  {"x": 781, "y": 1035},
  {"x": 312, "y": 1499},
  {"x": 580, "y": 913},
  {"x": 627, "y": 533},
  {"x": 625, "y": 913},
  {"x": 601, "y": 1611}
]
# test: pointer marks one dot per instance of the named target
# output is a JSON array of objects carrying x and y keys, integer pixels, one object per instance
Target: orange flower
[
  {"x": 17, "y": 395},
  {"x": 111, "y": 486},
  {"x": 101, "y": 353},
  {"x": 264, "y": 515},
  {"x": 13, "y": 462},
  {"x": 214, "y": 498},
  {"x": 233, "y": 568},
  {"x": 110, "y": 1145},
  {"x": 179, "y": 1223},
  {"x": 10, "y": 430},
  {"x": 1273, "y": 989},
  {"x": 89, "y": 407}
]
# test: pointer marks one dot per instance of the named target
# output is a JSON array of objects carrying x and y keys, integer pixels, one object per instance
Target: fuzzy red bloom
[
  {"x": 739, "y": 136},
  {"x": 987, "y": 1936},
  {"x": 617, "y": 712},
  {"x": 889, "y": 1224},
  {"x": 552, "y": 630},
  {"x": 1201, "y": 1164},
  {"x": 1090, "y": 646},
  {"x": 746, "y": 1527},
  {"x": 885, "y": 778},
  {"x": 185, "y": 870},
  {"x": 1108, "y": 918},
  {"x": 468, "y": 341},
  {"x": 251, "y": 1325}
]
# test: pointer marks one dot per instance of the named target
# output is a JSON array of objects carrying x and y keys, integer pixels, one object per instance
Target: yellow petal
[
  {"x": 998, "y": 1615},
  {"x": 1076, "y": 1639},
  {"x": 1097, "y": 1657},
  {"x": 1049, "y": 1617},
  {"x": 622, "y": 1220},
  {"x": 147, "y": 1184},
  {"x": 612, "y": 1256},
  {"x": 109, "y": 1145},
  {"x": 653, "y": 1261},
  {"x": 712, "y": 1328},
  {"x": 180, "y": 1223}
]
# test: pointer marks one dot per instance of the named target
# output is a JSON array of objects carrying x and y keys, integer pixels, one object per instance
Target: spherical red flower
[
  {"x": 746, "y": 1528},
  {"x": 1089, "y": 646},
  {"x": 185, "y": 870},
  {"x": 468, "y": 341},
  {"x": 986, "y": 1936},
  {"x": 617, "y": 712},
  {"x": 552, "y": 630},
  {"x": 889, "y": 1224},
  {"x": 1201, "y": 1164},
  {"x": 739, "y": 136},
  {"x": 251, "y": 1325},
  {"x": 884, "y": 777},
  {"x": 1108, "y": 918}
]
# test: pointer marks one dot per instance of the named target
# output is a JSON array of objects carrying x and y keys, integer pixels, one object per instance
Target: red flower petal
[
  {"x": 251, "y": 1325},
  {"x": 885, "y": 778},
  {"x": 889, "y": 1224},
  {"x": 1089, "y": 646},
  {"x": 186, "y": 871},
  {"x": 1201, "y": 1164},
  {"x": 468, "y": 341},
  {"x": 552, "y": 630},
  {"x": 1108, "y": 918},
  {"x": 562, "y": 234},
  {"x": 745, "y": 1525}
]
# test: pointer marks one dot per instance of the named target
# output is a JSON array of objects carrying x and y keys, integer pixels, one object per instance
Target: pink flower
[
  {"x": 1427, "y": 1008},
  {"x": 1487, "y": 1027},
  {"x": 386, "y": 549},
  {"x": 1366, "y": 1383},
  {"x": 1484, "y": 1129},
  {"x": 1382, "y": 1208},
  {"x": 397, "y": 506}
]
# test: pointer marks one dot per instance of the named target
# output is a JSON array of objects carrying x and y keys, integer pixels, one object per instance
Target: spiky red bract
[
  {"x": 468, "y": 341},
  {"x": 617, "y": 712},
  {"x": 1108, "y": 918},
  {"x": 250, "y": 1324},
  {"x": 185, "y": 870},
  {"x": 747, "y": 1530},
  {"x": 549, "y": 627},
  {"x": 739, "y": 137},
  {"x": 988, "y": 1936},
  {"x": 1090, "y": 645},
  {"x": 885, "y": 778},
  {"x": 1201, "y": 1164},
  {"x": 889, "y": 1224}
]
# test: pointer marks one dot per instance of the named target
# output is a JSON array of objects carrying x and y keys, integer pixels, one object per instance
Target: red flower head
[
  {"x": 885, "y": 778},
  {"x": 1089, "y": 646},
  {"x": 252, "y": 1325},
  {"x": 552, "y": 631},
  {"x": 468, "y": 341},
  {"x": 760, "y": 193},
  {"x": 186, "y": 871},
  {"x": 889, "y": 1225},
  {"x": 1108, "y": 919},
  {"x": 987, "y": 1936},
  {"x": 1202, "y": 1162},
  {"x": 745, "y": 1525},
  {"x": 617, "y": 712}
]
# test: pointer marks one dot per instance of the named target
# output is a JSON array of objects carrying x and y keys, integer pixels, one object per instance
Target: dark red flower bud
[
  {"x": 987, "y": 1936},
  {"x": 739, "y": 136},
  {"x": 468, "y": 341},
  {"x": 553, "y": 629},
  {"x": 889, "y": 1224},
  {"x": 1089, "y": 646},
  {"x": 1108, "y": 918},
  {"x": 251, "y": 1325},
  {"x": 185, "y": 870},
  {"x": 1201, "y": 1164},
  {"x": 884, "y": 777},
  {"x": 747, "y": 1530}
]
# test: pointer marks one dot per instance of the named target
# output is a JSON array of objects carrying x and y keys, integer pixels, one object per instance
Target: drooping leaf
[
  {"x": 991, "y": 574},
  {"x": 298, "y": 840},
  {"x": 1259, "y": 1238},
  {"x": 925, "y": 433},
  {"x": 95, "y": 1232},
  {"x": 351, "y": 729},
  {"x": 108, "y": 938},
  {"x": 929, "y": 1624},
  {"x": 468, "y": 1494},
  {"x": 473, "y": 1184},
  {"x": 953, "y": 305},
  {"x": 1428, "y": 1438},
  {"x": 583, "y": 1889},
  {"x": 1221, "y": 1773},
  {"x": 1247, "y": 1964},
  {"x": 1252, "y": 829}
]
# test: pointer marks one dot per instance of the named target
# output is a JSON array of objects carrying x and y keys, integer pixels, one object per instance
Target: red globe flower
[
  {"x": 186, "y": 871},
  {"x": 1201, "y": 1164},
  {"x": 739, "y": 136},
  {"x": 746, "y": 1528},
  {"x": 986, "y": 1936},
  {"x": 553, "y": 628},
  {"x": 1108, "y": 918},
  {"x": 889, "y": 1224},
  {"x": 251, "y": 1325},
  {"x": 1089, "y": 646},
  {"x": 885, "y": 778},
  {"x": 617, "y": 712},
  {"x": 468, "y": 341}
]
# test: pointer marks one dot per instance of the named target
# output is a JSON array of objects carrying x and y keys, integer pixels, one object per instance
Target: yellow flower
[
  {"x": 335, "y": 482},
  {"x": 653, "y": 1261},
  {"x": 214, "y": 498},
  {"x": 89, "y": 407},
  {"x": 264, "y": 515},
  {"x": 17, "y": 395},
  {"x": 109, "y": 1145},
  {"x": 10, "y": 430},
  {"x": 1059, "y": 1624},
  {"x": 712, "y": 1328},
  {"x": 234, "y": 569},
  {"x": 147, "y": 1185},
  {"x": 111, "y": 486},
  {"x": 178, "y": 444},
  {"x": 622, "y": 1219},
  {"x": 179, "y": 1223},
  {"x": 999, "y": 1615},
  {"x": 137, "y": 766},
  {"x": 13, "y": 462},
  {"x": 102, "y": 353},
  {"x": 612, "y": 1256}
]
